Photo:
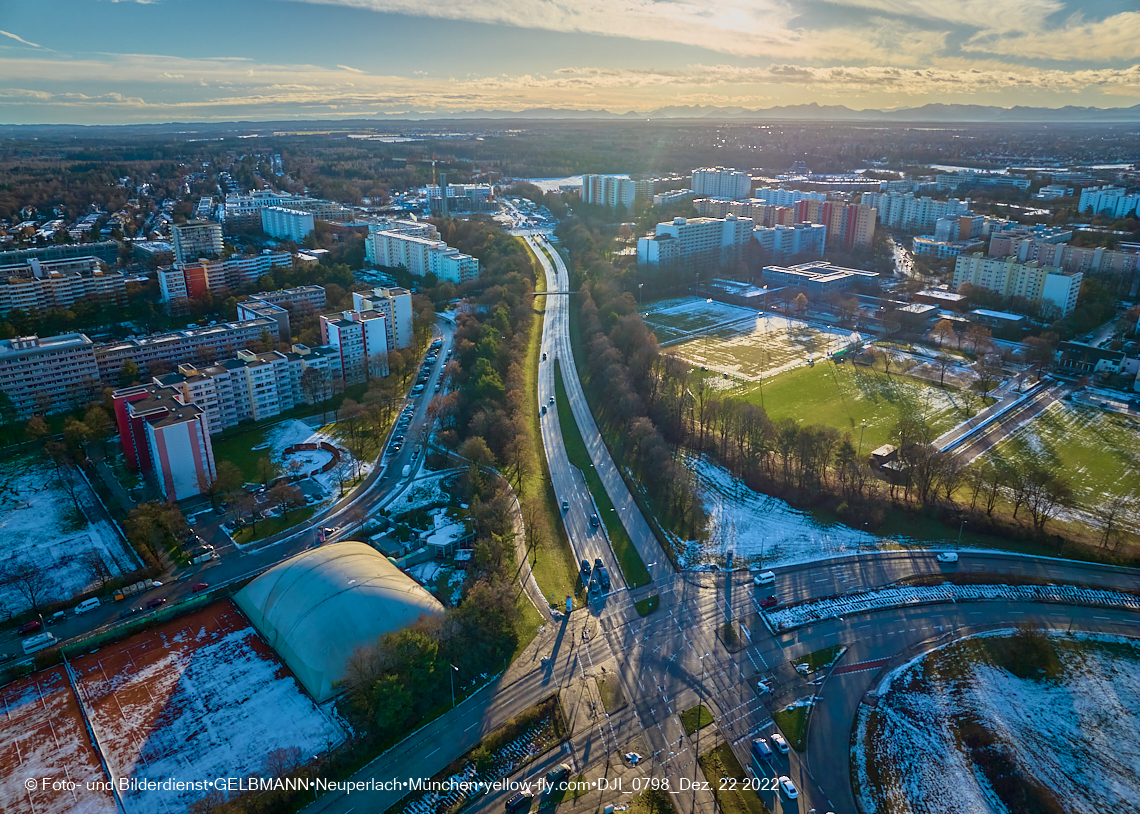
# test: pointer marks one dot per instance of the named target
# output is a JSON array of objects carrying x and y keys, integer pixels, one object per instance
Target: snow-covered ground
[
  {"x": 281, "y": 436},
  {"x": 760, "y": 529},
  {"x": 1076, "y": 736},
  {"x": 200, "y": 698},
  {"x": 40, "y": 524},
  {"x": 903, "y": 595},
  {"x": 419, "y": 493}
]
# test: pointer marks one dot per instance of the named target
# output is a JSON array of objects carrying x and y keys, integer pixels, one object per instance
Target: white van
[
  {"x": 765, "y": 578},
  {"x": 33, "y": 644},
  {"x": 86, "y": 605}
]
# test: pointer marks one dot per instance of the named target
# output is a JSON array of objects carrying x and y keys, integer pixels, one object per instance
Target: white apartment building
[
  {"x": 174, "y": 348},
  {"x": 609, "y": 190},
  {"x": 361, "y": 340},
  {"x": 721, "y": 182},
  {"x": 246, "y": 209},
  {"x": 672, "y": 196},
  {"x": 42, "y": 285},
  {"x": 1108, "y": 200},
  {"x": 396, "y": 306},
  {"x": 1009, "y": 278},
  {"x": 905, "y": 211},
  {"x": 48, "y": 375},
  {"x": 786, "y": 197},
  {"x": 197, "y": 238},
  {"x": 421, "y": 256},
  {"x": 304, "y": 299},
  {"x": 191, "y": 280},
  {"x": 258, "y": 309},
  {"x": 696, "y": 241},
  {"x": 783, "y": 242},
  {"x": 287, "y": 224}
]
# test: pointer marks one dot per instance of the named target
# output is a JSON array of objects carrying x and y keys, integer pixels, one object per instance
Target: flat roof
[{"x": 985, "y": 312}]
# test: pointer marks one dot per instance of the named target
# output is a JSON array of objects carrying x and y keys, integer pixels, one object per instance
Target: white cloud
[
  {"x": 1113, "y": 38},
  {"x": 352, "y": 70},
  {"x": 20, "y": 39}
]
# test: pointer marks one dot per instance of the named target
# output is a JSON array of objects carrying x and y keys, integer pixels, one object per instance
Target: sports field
[
  {"x": 845, "y": 395},
  {"x": 739, "y": 341}
]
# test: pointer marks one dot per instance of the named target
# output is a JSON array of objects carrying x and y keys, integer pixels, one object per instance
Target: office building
[
  {"x": 287, "y": 224},
  {"x": 197, "y": 239},
  {"x": 1109, "y": 201},
  {"x": 609, "y": 190},
  {"x": 1007, "y": 277},
  {"x": 422, "y": 256},
  {"x": 49, "y": 375},
  {"x": 165, "y": 437},
  {"x": 784, "y": 242},
  {"x": 361, "y": 340},
  {"x": 166, "y": 351},
  {"x": 1052, "y": 192},
  {"x": 696, "y": 242},
  {"x": 721, "y": 182},
  {"x": 396, "y": 306},
  {"x": 818, "y": 278},
  {"x": 905, "y": 211},
  {"x": 37, "y": 285}
]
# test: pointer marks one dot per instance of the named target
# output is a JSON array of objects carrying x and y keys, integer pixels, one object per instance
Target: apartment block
[
  {"x": 421, "y": 256},
  {"x": 784, "y": 242},
  {"x": 1009, "y": 278},
  {"x": 1109, "y": 201},
  {"x": 905, "y": 211},
  {"x": 197, "y": 239},
  {"x": 245, "y": 210},
  {"x": 929, "y": 246},
  {"x": 192, "y": 280},
  {"x": 1049, "y": 248},
  {"x": 287, "y": 224},
  {"x": 786, "y": 197},
  {"x": 361, "y": 340},
  {"x": 609, "y": 190},
  {"x": 257, "y": 309},
  {"x": 672, "y": 196},
  {"x": 396, "y": 306},
  {"x": 189, "y": 345},
  {"x": 48, "y": 375},
  {"x": 299, "y": 301},
  {"x": 762, "y": 214},
  {"x": 166, "y": 437},
  {"x": 696, "y": 241},
  {"x": 43, "y": 285},
  {"x": 721, "y": 182}
]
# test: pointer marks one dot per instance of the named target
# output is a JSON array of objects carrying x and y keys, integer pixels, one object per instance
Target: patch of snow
[{"x": 418, "y": 494}]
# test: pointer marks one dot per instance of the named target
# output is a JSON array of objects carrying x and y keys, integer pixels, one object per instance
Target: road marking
[
  {"x": 468, "y": 729},
  {"x": 1103, "y": 618},
  {"x": 432, "y": 752}
]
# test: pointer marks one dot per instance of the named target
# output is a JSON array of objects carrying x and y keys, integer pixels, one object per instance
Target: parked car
[
  {"x": 86, "y": 605},
  {"x": 200, "y": 586},
  {"x": 519, "y": 799},
  {"x": 127, "y": 612},
  {"x": 788, "y": 787},
  {"x": 779, "y": 742},
  {"x": 769, "y": 602},
  {"x": 948, "y": 556},
  {"x": 34, "y": 626},
  {"x": 157, "y": 602}
]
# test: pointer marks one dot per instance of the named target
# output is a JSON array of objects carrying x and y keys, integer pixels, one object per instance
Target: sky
[{"x": 128, "y": 61}]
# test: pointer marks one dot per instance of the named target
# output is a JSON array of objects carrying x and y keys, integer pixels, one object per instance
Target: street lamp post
[
  {"x": 639, "y": 287},
  {"x": 960, "y": 533},
  {"x": 454, "y": 670},
  {"x": 700, "y": 702},
  {"x": 862, "y": 429}
]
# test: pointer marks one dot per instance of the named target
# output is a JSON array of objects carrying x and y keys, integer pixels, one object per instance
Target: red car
[
  {"x": 33, "y": 626},
  {"x": 157, "y": 602},
  {"x": 200, "y": 586},
  {"x": 769, "y": 602}
]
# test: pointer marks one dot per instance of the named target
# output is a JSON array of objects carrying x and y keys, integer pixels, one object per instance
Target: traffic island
[
  {"x": 648, "y": 605},
  {"x": 611, "y": 693},
  {"x": 695, "y": 718},
  {"x": 793, "y": 722},
  {"x": 730, "y": 635},
  {"x": 728, "y": 780}
]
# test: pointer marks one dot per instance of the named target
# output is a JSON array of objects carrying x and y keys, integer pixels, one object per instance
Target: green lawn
[
  {"x": 793, "y": 723},
  {"x": 820, "y": 658},
  {"x": 632, "y": 566},
  {"x": 696, "y": 718},
  {"x": 731, "y": 798},
  {"x": 237, "y": 447},
  {"x": 274, "y": 525},
  {"x": 648, "y": 605},
  {"x": 609, "y": 689},
  {"x": 844, "y": 395}
]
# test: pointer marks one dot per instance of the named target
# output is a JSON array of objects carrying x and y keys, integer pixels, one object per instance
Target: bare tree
[
  {"x": 1047, "y": 494},
  {"x": 96, "y": 568},
  {"x": 286, "y": 496},
  {"x": 31, "y": 581},
  {"x": 284, "y": 761},
  {"x": 1109, "y": 515}
]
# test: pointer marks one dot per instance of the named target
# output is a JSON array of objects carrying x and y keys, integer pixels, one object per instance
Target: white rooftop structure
[{"x": 315, "y": 609}]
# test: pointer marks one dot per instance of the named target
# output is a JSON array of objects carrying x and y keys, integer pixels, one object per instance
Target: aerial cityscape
[{"x": 743, "y": 419}]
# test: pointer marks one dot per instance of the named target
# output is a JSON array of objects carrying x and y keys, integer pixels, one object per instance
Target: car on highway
[
  {"x": 157, "y": 602},
  {"x": 598, "y": 562},
  {"x": 519, "y": 799},
  {"x": 34, "y": 626},
  {"x": 586, "y": 567},
  {"x": 761, "y": 749},
  {"x": 544, "y": 409},
  {"x": 544, "y": 357},
  {"x": 566, "y": 505},
  {"x": 948, "y": 556},
  {"x": 594, "y": 522},
  {"x": 788, "y": 787},
  {"x": 604, "y": 577},
  {"x": 551, "y": 402},
  {"x": 779, "y": 742}
]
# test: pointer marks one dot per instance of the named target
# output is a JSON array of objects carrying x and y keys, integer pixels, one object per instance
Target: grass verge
[
  {"x": 652, "y": 801},
  {"x": 274, "y": 525},
  {"x": 648, "y": 605},
  {"x": 632, "y": 566},
  {"x": 610, "y": 690},
  {"x": 695, "y": 718},
  {"x": 793, "y": 723},
  {"x": 721, "y": 768},
  {"x": 821, "y": 658}
]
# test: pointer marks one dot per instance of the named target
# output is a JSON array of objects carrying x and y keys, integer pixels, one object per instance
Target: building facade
[
  {"x": 197, "y": 239},
  {"x": 49, "y": 375},
  {"x": 784, "y": 242},
  {"x": 422, "y": 256},
  {"x": 192, "y": 280},
  {"x": 721, "y": 182},
  {"x": 1007, "y": 277},
  {"x": 42, "y": 285},
  {"x": 609, "y": 190},
  {"x": 177, "y": 347},
  {"x": 360, "y": 338},
  {"x": 1109, "y": 201},
  {"x": 396, "y": 306},
  {"x": 287, "y": 224},
  {"x": 905, "y": 211},
  {"x": 696, "y": 241}
]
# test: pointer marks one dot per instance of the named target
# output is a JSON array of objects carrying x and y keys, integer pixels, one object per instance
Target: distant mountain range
[{"x": 933, "y": 113}]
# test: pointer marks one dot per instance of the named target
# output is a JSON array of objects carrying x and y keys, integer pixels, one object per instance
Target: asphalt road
[{"x": 558, "y": 324}]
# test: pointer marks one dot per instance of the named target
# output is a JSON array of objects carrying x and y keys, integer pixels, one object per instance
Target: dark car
[
  {"x": 594, "y": 521},
  {"x": 200, "y": 586},
  {"x": 157, "y": 602},
  {"x": 519, "y": 799},
  {"x": 34, "y": 626},
  {"x": 769, "y": 602},
  {"x": 127, "y": 612},
  {"x": 598, "y": 562},
  {"x": 604, "y": 577},
  {"x": 586, "y": 567}
]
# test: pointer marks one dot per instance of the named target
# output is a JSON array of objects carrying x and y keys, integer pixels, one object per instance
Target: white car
[
  {"x": 633, "y": 757},
  {"x": 948, "y": 556},
  {"x": 779, "y": 742},
  {"x": 788, "y": 787},
  {"x": 762, "y": 687}
]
